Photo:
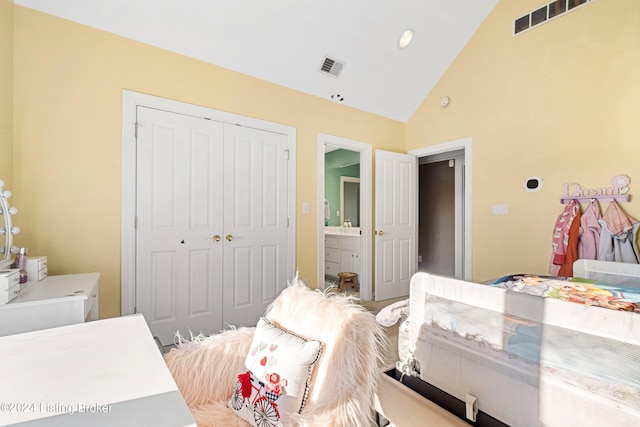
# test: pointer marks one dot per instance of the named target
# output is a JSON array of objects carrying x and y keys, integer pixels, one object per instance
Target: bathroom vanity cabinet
[{"x": 342, "y": 253}]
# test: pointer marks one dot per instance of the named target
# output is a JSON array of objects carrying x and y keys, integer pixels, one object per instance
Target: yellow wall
[
  {"x": 560, "y": 101},
  {"x": 67, "y": 172},
  {"x": 6, "y": 92}
]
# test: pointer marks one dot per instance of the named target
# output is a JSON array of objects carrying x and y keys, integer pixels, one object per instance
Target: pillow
[{"x": 278, "y": 376}]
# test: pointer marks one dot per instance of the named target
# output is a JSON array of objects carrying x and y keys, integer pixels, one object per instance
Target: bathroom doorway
[{"x": 344, "y": 214}]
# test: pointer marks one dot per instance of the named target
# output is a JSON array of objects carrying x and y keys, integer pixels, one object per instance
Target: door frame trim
[
  {"x": 366, "y": 198},
  {"x": 466, "y": 145},
  {"x": 130, "y": 101}
]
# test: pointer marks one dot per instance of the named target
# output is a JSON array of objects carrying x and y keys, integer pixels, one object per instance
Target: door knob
[
  {"x": 216, "y": 238},
  {"x": 229, "y": 237},
  {"x": 380, "y": 233}
]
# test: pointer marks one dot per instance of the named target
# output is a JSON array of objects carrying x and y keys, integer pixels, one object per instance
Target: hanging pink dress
[{"x": 590, "y": 230}]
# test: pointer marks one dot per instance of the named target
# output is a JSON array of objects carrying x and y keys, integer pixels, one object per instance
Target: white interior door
[
  {"x": 395, "y": 224},
  {"x": 255, "y": 222},
  {"x": 179, "y": 199}
]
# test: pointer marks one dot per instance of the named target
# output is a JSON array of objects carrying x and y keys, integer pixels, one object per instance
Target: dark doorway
[{"x": 437, "y": 213}]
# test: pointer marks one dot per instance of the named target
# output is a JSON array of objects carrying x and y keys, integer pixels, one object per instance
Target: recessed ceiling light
[{"x": 405, "y": 39}]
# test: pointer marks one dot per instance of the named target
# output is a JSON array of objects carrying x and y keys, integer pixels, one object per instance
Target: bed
[{"x": 526, "y": 350}]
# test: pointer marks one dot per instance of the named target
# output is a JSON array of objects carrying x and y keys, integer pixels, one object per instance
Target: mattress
[{"x": 526, "y": 358}]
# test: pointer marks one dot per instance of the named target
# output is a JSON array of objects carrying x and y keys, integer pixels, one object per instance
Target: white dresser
[
  {"x": 100, "y": 374},
  {"x": 51, "y": 302}
]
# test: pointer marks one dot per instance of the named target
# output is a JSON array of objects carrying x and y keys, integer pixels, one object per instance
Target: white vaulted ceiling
[{"x": 286, "y": 41}]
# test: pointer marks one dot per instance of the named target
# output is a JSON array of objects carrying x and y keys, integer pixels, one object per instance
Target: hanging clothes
[
  {"x": 565, "y": 240},
  {"x": 618, "y": 236},
  {"x": 571, "y": 256},
  {"x": 590, "y": 229}
]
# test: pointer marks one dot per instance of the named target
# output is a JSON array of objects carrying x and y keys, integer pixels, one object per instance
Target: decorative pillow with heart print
[{"x": 277, "y": 377}]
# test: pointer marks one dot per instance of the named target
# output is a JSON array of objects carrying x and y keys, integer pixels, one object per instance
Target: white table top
[
  {"x": 103, "y": 373},
  {"x": 64, "y": 286}
]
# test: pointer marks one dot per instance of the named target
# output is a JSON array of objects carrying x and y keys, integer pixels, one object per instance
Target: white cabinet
[
  {"x": 350, "y": 261},
  {"x": 342, "y": 253},
  {"x": 52, "y": 302}
]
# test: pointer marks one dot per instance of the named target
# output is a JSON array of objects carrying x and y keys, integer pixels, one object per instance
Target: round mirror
[{"x": 7, "y": 228}]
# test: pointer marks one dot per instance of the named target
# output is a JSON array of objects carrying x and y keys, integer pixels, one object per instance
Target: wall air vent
[
  {"x": 331, "y": 66},
  {"x": 546, "y": 13}
]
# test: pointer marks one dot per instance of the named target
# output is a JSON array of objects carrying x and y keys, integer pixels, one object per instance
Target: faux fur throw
[
  {"x": 344, "y": 379},
  {"x": 391, "y": 314}
]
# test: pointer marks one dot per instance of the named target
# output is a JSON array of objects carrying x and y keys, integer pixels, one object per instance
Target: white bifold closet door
[{"x": 211, "y": 234}]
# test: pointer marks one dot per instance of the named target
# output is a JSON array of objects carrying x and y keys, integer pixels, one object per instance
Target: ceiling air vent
[
  {"x": 331, "y": 66},
  {"x": 545, "y": 13}
]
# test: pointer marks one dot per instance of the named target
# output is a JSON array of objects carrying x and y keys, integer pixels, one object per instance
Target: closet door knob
[
  {"x": 216, "y": 238},
  {"x": 229, "y": 237}
]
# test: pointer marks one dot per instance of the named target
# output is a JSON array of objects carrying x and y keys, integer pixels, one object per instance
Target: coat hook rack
[{"x": 617, "y": 192}]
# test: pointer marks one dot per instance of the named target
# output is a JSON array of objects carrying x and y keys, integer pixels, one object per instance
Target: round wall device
[
  {"x": 533, "y": 183},
  {"x": 444, "y": 101}
]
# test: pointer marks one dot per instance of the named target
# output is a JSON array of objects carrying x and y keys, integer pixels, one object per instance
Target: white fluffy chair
[{"x": 344, "y": 380}]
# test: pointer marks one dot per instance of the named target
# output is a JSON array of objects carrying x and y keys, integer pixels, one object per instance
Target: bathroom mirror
[
  {"x": 341, "y": 166},
  {"x": 350, "y": 200}
]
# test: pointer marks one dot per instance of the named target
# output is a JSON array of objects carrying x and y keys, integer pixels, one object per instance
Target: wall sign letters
[{"x": 618, "y": 191}]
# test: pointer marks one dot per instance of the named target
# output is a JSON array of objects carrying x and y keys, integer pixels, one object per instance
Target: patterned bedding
[{"x": 577, "y": 290}]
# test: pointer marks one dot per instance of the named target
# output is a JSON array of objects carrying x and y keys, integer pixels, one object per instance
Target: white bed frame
[
  {"x": 490, "y": 386},
  {"x": 614, "y": 273}
]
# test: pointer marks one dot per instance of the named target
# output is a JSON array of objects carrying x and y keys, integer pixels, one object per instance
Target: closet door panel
[
  {"x": 238, "y": 268},
  {"x": 163, "y": 305},
  {"x": 178, "y": 207},
  {"x": 255, "y": 217}
]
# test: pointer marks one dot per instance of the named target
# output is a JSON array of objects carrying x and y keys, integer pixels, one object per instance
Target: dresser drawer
[
  {"x": 332, "y": 269},
  {"x": 332, "y": 255},
  {"x": 348, "y": 242},
  {"x": 9, "y": 278},
  {"x": 37, "y": 268},
  {"x": 9, "y": 284},
  {"x": 331, "y": 242},
  {"x": 13, "y": 292}
]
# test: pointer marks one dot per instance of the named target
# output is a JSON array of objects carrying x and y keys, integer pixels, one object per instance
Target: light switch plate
[{"x": 499, "y": 209}]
